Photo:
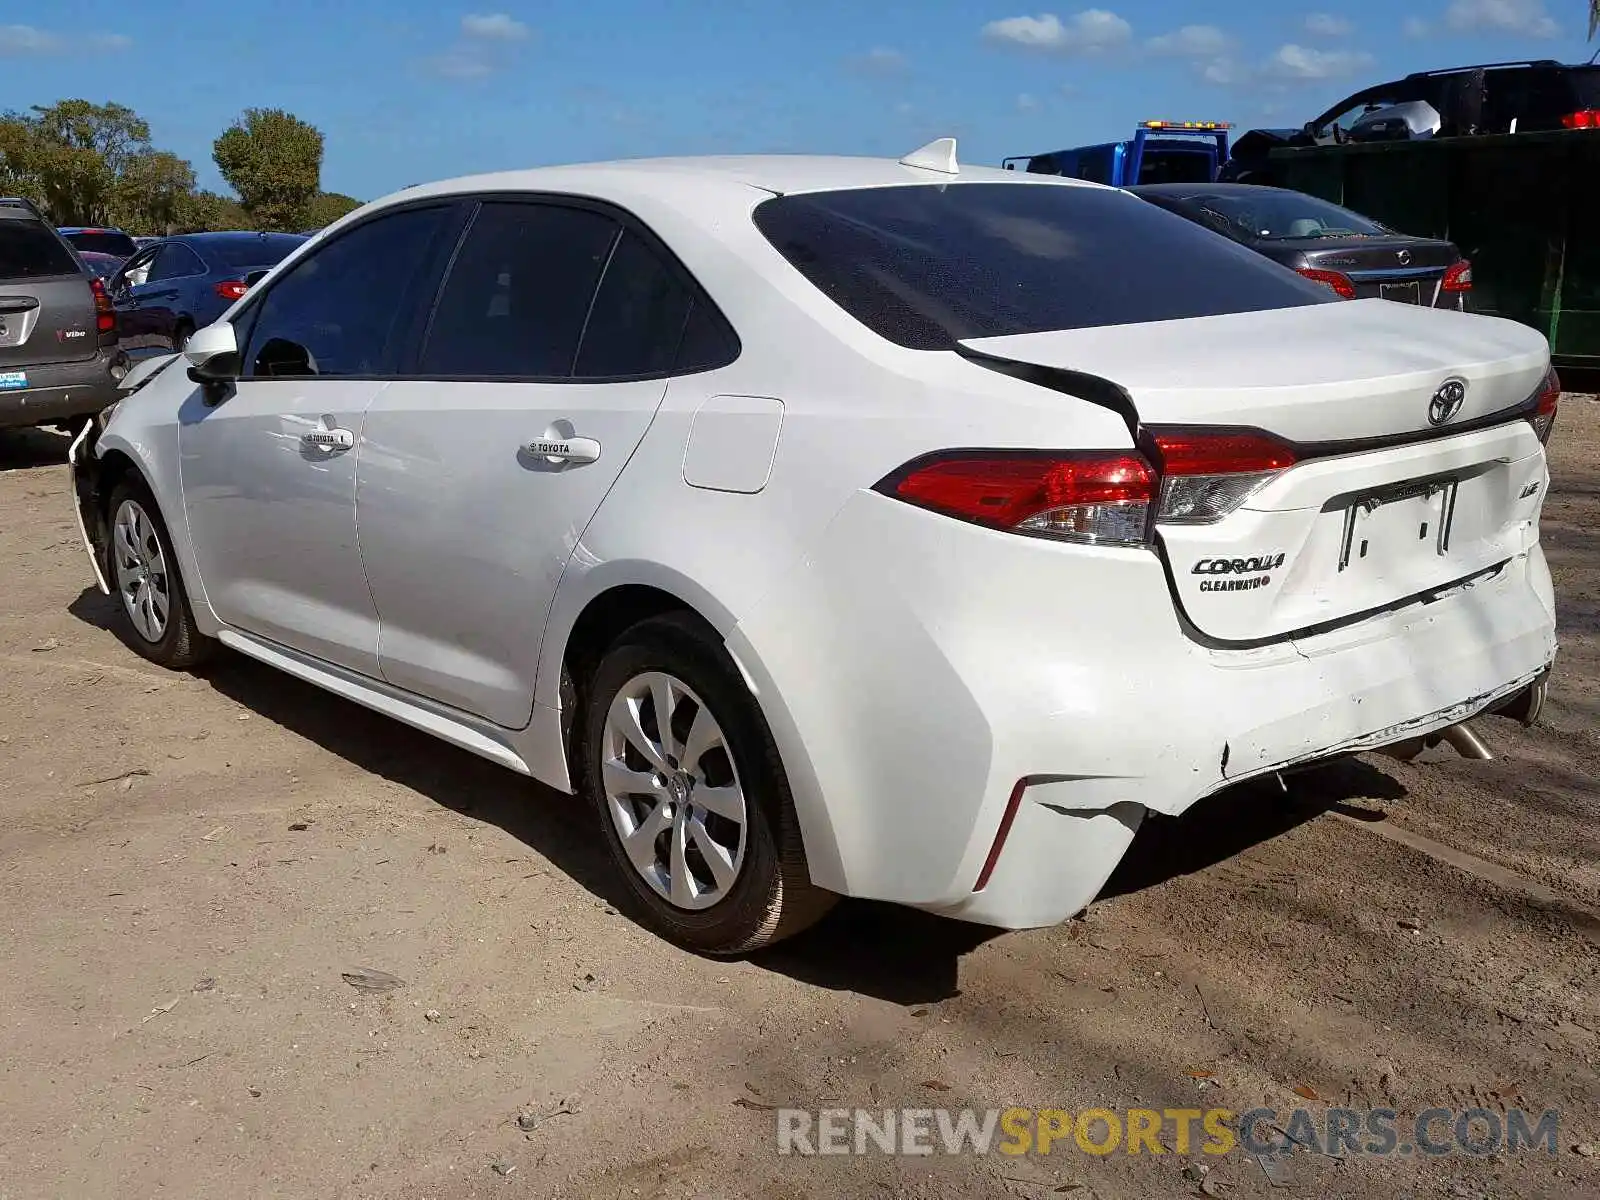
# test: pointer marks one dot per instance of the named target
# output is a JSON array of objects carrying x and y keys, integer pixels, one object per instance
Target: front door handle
[
  {"x": 563, "y": 450},
  {"x": 329, "y": 439}
]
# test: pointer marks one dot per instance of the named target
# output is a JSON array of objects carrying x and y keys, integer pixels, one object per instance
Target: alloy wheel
[
  {"x": 673, "y": 792},
  {"x": 141, "y": 570}
]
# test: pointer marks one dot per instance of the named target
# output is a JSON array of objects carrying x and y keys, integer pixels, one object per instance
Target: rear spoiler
[{"x": 144, "y": 372}]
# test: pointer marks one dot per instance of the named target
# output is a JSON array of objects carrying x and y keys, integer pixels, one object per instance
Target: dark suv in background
[
  {"x": 59, "y": 360},
  {"x": 1512, "y": 97}
]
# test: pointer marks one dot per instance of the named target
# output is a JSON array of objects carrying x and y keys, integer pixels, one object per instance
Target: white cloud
[
  {"x": 493, "y": 27},
  {"x": 1303, "y": 62},
  {"x": 1326, "y": 25},
  {"x": 1224, "y": 72},
  {"x": 26, "y": 39},
  {"x": 878, "y": 61},
  {"x": 1028, "y": 103},
  {"x": 1416, "y": 27},
  {"x": 1093, "y": 31},
  {"x": 1192, "y": 41},
  {"x": 1526, "y": 17},
  {"x": 21, "y": 41}
]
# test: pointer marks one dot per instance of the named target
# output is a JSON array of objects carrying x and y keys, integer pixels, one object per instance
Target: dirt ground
[{"x": 188, "y": 866}]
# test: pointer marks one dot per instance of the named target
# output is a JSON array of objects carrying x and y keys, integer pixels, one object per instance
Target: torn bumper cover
[{"x": 88, "y": 505}]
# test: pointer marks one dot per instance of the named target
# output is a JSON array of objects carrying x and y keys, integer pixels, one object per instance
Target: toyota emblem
[
  {"x": 1405, "y": 257},
  {"x": 1447, "y": 401}
]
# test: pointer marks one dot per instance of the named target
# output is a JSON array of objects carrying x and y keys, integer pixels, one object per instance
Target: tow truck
[{"x": 1158, "y": 152}]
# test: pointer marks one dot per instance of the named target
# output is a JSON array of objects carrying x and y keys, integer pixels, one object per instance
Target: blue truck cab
[{"x": 1158, "y": 152}]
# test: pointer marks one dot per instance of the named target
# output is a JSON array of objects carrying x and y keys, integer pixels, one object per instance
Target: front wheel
[
  {"x": 691, "y": 796},
  {"x": 145, "y": 574}
]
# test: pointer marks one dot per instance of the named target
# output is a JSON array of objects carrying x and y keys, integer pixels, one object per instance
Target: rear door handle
[
  {"x": 329, "y": 439},
  {"x": 560, "y": 450}
]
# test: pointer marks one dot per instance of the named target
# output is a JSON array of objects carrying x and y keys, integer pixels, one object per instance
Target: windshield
[
  {"x": 103, "y": 241},
  {"x": 267, "y": 250},
  {"x": 927, "y": 265},
  {"x": 1275, "y": 215}
]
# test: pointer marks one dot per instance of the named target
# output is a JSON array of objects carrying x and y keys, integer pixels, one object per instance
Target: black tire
[
  {"x": 772, "y": 896},
  {"x": 181, "y": 646}
]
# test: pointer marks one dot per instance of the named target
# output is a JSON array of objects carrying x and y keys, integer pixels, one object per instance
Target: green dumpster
[{"x": 1525, "y": 208}]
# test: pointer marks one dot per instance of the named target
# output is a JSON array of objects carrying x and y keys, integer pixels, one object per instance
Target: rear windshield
[
  {"x": 29, "y": 250},
  {"x": 268, "y": 250},
  {"x": 928, "y": 265},
  {"x": 1177, "y": 166},
  {"x": 1273, "y": 214},
  {"x": 103, "y": 241}
]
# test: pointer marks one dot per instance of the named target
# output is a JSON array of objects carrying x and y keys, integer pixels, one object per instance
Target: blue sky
[{"x": 411, "y": 90}]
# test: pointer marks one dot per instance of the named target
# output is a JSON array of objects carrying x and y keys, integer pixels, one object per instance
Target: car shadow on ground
[
  {"x": 21, "y": 449},
  {"x": 891, "y": 953}
]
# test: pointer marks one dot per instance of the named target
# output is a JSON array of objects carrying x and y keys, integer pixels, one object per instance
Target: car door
[
  {"x": 545, "y": 362},
  {"x": 133, "y": 332},
  {"x": 159, "y": 300},
  {"x": 269, "y": 472}
]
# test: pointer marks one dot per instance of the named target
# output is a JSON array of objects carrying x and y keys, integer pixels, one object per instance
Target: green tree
[
  {"x": 78, "y": 152},
  {"x": 201, "y": 212},
  {"x": 328, "y": 207},
  {"x": 273, "y": 160},
  {"x": 151, "y": 192}
]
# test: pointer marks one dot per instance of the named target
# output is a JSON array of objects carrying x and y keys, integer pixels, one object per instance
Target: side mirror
[
  {"x": 254, "y": 277},
  {"x": 214, "y": 341}
]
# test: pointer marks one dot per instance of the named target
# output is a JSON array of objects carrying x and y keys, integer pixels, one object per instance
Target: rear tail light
[
  {"x": 1338, "y": 281},
  {"x": 1544, "y": 414},
  {"x": 1096, "y": 497},
  {"x": 1587, "y": 118},
  {"x": 105, "y": 313},
  {"x": 1205, "y": 475},
  {"x": 233, "y": 289},
  {"x": 1458, "y": 278},
  {"x": 1099, "y": 496}
]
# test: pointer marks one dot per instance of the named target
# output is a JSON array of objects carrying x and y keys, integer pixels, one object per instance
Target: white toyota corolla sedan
[{"x": 840, "y": 526}]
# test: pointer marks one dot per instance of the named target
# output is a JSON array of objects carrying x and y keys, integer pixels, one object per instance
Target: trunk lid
[
  {"x": 1384, "y": 505},
  {"x": 1356, "y": 256}
]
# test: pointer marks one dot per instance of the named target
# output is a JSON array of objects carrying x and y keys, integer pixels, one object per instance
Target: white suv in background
[{"x": 840, "y": 526}]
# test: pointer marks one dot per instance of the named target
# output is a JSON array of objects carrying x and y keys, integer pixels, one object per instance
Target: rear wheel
[
  {"x": 145, "y": 574},
  {"x": 691, "y": 796}
]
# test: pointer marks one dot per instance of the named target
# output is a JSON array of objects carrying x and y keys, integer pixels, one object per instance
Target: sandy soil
[{"x": 189, "y": 865}]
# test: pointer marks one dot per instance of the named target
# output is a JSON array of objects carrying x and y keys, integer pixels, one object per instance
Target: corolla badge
[{"x": 1447, "y": 401}]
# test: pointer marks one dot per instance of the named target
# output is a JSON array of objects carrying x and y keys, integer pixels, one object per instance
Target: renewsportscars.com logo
[{"x": 1378, "y": 1132}]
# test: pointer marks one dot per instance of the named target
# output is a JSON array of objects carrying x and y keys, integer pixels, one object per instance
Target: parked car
[
  {"x": 59, "y": 361},
  {"x": 168, "y": 290},
  {"x": 100, "y": 241},
  {"x": 896, "y": 529},
  {"x": 1351, "y": 255},
  {"x": 1489, "y": 98},
  {"x": 101, "y": 266}
]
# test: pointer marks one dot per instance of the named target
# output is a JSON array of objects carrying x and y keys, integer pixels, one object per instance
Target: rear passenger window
[
  {"x": 519, "y": 292},
  {"x": 636, "y": 324}
]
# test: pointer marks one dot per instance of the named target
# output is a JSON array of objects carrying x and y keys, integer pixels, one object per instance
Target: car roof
[{"x": 778, "y": 174}]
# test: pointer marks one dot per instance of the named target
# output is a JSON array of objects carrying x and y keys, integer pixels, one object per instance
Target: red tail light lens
[
  {"x": 1588, "y": 118},
  {"x": 105, "y": 313},
  {"x": 233, "y": 289},
  {"x": 1205, "y": 475},
  {"x": 1338, "y": 281},
  {"x": 1458, "y": 278},
  {"x": 1544, "y": 416},
  {"x": 1099, "y": 497}
]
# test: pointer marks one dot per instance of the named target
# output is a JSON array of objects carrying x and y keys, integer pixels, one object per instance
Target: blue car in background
[{"x": 179, "y": 284}]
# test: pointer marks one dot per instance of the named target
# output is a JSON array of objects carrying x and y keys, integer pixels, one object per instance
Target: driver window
[
  {"x": 336, "y": 313},
  {"x": 172, "y": 261}
]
